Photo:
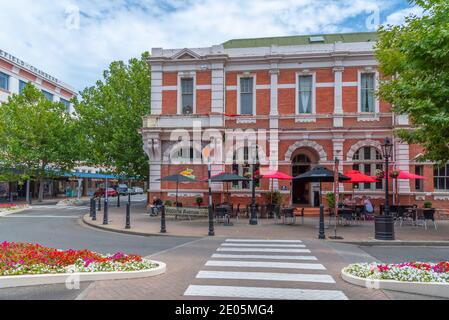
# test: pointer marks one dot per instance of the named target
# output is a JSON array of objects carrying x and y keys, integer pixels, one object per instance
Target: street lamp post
[
  {"x": 211, "y": 213},
  {"x": 253, "y": 219},
  {"x": 105, "y": 212},
  {"x": 384, "y": 224}
]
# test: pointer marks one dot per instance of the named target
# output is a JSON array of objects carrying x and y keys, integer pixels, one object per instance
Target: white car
[{"x": 136, "y": 190}]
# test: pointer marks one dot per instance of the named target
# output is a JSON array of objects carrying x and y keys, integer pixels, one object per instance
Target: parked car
[
  {"x": 101, "y": 192},
  {"x": 137, "y": 190},
  {"x": 122, "y": 188}
]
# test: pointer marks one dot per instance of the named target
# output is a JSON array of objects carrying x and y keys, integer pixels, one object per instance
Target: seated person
[
  {"x": 156, "y": 206},
  {"x": 368, "y": 206}
]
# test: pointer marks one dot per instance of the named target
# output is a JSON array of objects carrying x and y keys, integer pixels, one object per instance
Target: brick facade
[{"x": 336, "y": 122}]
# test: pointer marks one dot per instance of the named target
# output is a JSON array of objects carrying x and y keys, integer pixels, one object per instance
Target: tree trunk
[
  {"x": 28, "y": 191},
  {"x": 41, "y": 190}
]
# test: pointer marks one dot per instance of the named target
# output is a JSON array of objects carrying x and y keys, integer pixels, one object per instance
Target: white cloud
[
  {"x": 398, "y": 17},
  {"x": 37, "y": 31}
]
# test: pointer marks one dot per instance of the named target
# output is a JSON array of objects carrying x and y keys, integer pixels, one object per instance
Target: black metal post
[
  {"x": 163, "y": 226},
  {"x": 118, "y": 200},
  {"x": 30, "y": 198},
  {"x": 11, "y": 198},
  {"x": 210, "y": 209},
  {"x": 253, "y": 219},
  {"x": 321, "y": 234},
  {"x": 105, "y": 213},
  {"x": 387, "y": 204},
  {"x": 384, "y": 224},
  {"x": 128, "y": 216},
  {"x": 99, "y": 203},
  {"x": 92, "y": 205},
  {"x": 94, "y": 210}
]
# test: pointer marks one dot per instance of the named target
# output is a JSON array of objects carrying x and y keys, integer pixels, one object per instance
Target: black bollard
[
  {"x": 92, "y": 205},
  {"x": 30, "y": 198},
  {"x": 105, "y": 213},
  {"x": 118, "y": 200},
  {"x": 11, "y": 198},
  {"x": 163, "y": 227},
  {"x": 321, "y": 234},
  {"x": 128, "y": 216},
  {"x": 94, "y": 210},
  {"x": 99, "y": 204}
]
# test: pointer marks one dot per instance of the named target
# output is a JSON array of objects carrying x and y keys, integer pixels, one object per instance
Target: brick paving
[
  {"x": 362, "y": 231},
  {"x": 184, "y": 263}
]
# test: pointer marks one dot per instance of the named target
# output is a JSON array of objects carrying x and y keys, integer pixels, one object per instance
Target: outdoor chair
[
  {"x": 289, "y": 216},
  {"x": 428, "y": 214}
]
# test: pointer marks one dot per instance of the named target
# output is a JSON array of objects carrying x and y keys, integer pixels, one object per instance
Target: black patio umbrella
[
  {"x": 227, "y": 177},
  {"x": 178, "y": 178},
  {"x": 320, "y": 174}
]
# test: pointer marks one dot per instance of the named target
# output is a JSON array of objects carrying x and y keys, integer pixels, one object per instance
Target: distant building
[{"x": 15, "y": 74}]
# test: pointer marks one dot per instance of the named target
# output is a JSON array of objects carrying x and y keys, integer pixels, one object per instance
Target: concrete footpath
[{"x": 361, "y": 232}]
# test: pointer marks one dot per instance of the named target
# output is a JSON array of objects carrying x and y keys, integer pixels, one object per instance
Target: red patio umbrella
[
  {"x": 405, "y": 175},
  {"x": 358, "y": 177},
  {"x": 275, "y": 175}
]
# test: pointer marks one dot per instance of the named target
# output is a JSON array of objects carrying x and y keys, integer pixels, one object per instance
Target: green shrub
[
  {"x": 168, "y": 203},
  {"x": 274, "y": 197},
  {"x": 199, "y": 201},
  {"x": 331, "y": 199},
  {"x": 427, "y": 204}
]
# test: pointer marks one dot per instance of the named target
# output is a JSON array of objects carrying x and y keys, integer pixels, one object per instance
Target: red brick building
[{"x": 313, "y": 96}]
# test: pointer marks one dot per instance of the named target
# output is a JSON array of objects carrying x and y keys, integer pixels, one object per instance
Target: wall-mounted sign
[{"x": 185, "y": 195}]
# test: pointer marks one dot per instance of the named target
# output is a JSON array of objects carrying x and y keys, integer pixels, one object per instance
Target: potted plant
[
  {"x": 330, "y": 197},
  {"x": 199, "y": 201},
  {"x": 168, "y": 203},
  {"x": 380, "y": 173},
  {"x": 394, "y": 174},
  {"x": 427, "y": 205}
]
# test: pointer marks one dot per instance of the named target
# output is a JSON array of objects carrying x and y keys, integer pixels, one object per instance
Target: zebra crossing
[{"x": 264, "y": 269}]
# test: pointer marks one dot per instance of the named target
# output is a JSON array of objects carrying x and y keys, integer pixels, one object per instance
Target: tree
[
  {"x": 110, "y": 117},
  {"x": 415, "y": 59},
  {"x": 37, "y": 137}
]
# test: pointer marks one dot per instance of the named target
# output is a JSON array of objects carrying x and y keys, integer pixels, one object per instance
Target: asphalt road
[
  {"x": 397, "y": 254},
  {"x": 62, "y": 228}
]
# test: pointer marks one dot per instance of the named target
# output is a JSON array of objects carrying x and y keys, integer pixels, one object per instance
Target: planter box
[
  {"x": 70, "y": 278},
  {"x": 435, "y": 289}
]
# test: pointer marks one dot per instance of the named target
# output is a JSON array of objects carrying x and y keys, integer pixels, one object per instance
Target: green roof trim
[{"x": 301, "y": 40}]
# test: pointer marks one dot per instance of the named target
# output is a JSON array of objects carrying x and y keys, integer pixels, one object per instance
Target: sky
[{"x": 75, "y": 40}]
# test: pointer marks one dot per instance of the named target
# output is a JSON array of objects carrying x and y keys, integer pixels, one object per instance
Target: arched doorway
[{"x": 304, "y": 193}]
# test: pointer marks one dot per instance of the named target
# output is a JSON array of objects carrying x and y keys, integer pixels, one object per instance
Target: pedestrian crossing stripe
[
  {"x": 265, "y": 264},
  {"x": 260, "y": 256},
  {"x": 264, "y": 293},
  {"x": 264, "y": 250},
  {"x": 263, "y": 240},
  {"x": 267, "y": 276},
  {"x": 263, "y": 245}
]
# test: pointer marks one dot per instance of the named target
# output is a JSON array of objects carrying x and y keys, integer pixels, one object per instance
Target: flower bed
[
  {"x": 406, "y": 272},
  {"x": 7, "y": 206},
  {"x": 27, "y": 258}
]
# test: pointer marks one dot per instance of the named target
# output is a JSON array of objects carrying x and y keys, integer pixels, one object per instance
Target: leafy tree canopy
[
  {"x": 415, "y": 59},
  {"x": 38, "y": 137},
  {"x": 110, "y": 117}
]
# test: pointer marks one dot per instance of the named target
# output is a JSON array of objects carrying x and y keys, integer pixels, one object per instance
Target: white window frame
[
  {"x": 313, "y": 111},
  {"x": 186, "y": 75},
  {"x": 239, "y": 108},
  {"x": 359, "y": 91},
  {"x": 8, "y": 82}
]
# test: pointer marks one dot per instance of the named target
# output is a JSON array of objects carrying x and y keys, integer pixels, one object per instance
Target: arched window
[
  {"x": 244, "y": 167},
  {"x": 367, "y": 160},
  {"x": 301, "y": 159}
]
